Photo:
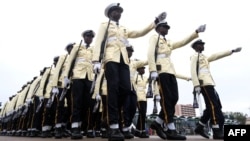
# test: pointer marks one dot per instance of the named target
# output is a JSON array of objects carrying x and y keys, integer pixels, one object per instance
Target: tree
[{"x": 236, "y": 117}]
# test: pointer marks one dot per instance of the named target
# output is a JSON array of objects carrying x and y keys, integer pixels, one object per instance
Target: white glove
[
  {"x": 98, "y": 97},
  {"x": 41, "y": 98},
  {"x": 66, "y": 81},
  {"x": 154, "y": 75},
  {"x": 158, "y": 98},
  {"x": 197, "y": 89},
  {"x": 28, "y": 101},
  {"x": 162, "y": 16},
  {"x": 55, "y": 90},
  {"x": 97, "y": 67},
  {"x": 201, "y": 28},
  {"x": 238, "y": 49}
]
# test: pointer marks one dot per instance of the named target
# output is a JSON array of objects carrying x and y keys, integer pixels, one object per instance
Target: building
[
  {"x": 248, "y": 121},
  {"x": 185, "y": 110}
]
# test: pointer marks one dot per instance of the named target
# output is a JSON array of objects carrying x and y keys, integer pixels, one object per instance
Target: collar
[
  {"x": 114, "y": 22},
  {"x": 163, "y": 37}
]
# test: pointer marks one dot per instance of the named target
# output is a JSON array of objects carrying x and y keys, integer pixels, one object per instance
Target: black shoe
[
  {"x": 137, "y": 133},
  {"x": 144, "y": 134},
  {"x": 76, "y": 133},
  {"x": 24, "y": 133},
  {"x": 98, "y": 133},
  {"x": 128, "y": 135},
  {"x": 115, "y": 135},
  {"x": 104, "y": 134},
  {"x": 173, "y": 135},
  {"x": 46, "y": 134},
  {"x": 58, "y": 133},
  {"x": 218, "y": 134},
  {"x": 65, "y": 132},
  {"x": 200, "y": 130},
  {"x": 90, "y": 134},
  {"x": 159, "y": 130},
  {"x": 34, "y": 133}
]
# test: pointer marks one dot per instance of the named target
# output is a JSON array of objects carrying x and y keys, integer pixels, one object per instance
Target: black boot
[
  {"x": 128, "y": 135},
  {"x": 58, "y": 133},
  {"x": 104, "y": 133},
  {"x": 46, "y": 134},
  {"x": 115, "y": 135},
  {"x": 76, "y": 133},
  {"x": 137, "y": 133},
  {"x": 200, "y": 130},
  {"x": 34, "y": 133},
  {"x": 144, "y": 134},
  {"x": 98, "y": 133},
  {"x": 159, "y": 130},
  {"x": 90, "y": 134},
  {"x": 173, "y": 135},
  {"x": 218, "y": 134}
]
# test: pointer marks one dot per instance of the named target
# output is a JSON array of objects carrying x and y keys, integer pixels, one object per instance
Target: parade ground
[{"x": 152, "y": 138}]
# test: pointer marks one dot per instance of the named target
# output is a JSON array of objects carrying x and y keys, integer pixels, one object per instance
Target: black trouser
[
  {"x": 169, "y": 96},
  {"x": 141, "y": 121},
  {"x": 49, "y": 113},
  {"x": 26, "y": 118},
  {"x": 30, "y": 115},
  {"x": 97, "y": 119},
  {"x": 81, "y": 99},
  {"x": 62, "y": 112},
  {"x": 37, "y": 115},
  {"x": 118, "y": 84},
  {"x": 129, "y": 108},
  {"x": 213, "y": 107},
  {"x": 104, "y": 117}
]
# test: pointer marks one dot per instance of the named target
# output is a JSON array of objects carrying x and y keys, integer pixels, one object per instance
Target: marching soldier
[
  {"x": 20, "y": 107},
  {"x": 63, "y": 109},
  {"x": 203, "y": 83},
  {"x": 38, "y": 100},
  {"x": 11, "y": 113},
  {"x": 27, "y": 112},
  {"x": 3, "y": 117},
  {"x": 113, "y": 37},
  {"x": 162, "y": 69},
  {"x": 49, "y": 102},
  {"x": 100, "y": 95},
  {"x": 130, "y": 104},
  {"x": 140, "y": 87},
  {"x": 82, "y": 77}
]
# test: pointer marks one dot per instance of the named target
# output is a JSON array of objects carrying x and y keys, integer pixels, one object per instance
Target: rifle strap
[
  {"x": 197, "y": 65},
  {"x": 101, "y": 82}
]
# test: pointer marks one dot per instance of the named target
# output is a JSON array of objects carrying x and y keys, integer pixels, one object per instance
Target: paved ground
[{"x": 152, "y": 138}]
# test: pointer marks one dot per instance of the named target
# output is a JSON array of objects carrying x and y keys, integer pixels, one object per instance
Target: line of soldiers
[
  {"x": 62, "y": 101},
  {"x": 96, "y": 90}
]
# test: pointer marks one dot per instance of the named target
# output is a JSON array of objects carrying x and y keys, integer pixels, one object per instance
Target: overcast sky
[{"x": 32, "y": 32}]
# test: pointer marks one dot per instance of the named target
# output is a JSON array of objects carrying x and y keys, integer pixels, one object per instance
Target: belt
[
  {"x": 140, "y": 88},
  {"x": 162, "y": 55},
  {"x": 81, "y": 60},
  {"x": 204, "y": 71},
  {"x": 111, "y": 39}
]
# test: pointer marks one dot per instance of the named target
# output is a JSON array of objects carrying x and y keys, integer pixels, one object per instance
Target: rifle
[
  {"x": 195, "y": 102},
  {"x": 100, "y": 93},
  {"x": 46, "y": 82},
  {"x": 47, "y": 78},
  {"x": 155, "y": 109},
  {"x": 40, "y": 105},
  {"x": 103, "y": 45},
  {"x": 149, "y": 91},
  {"x": 65, "y": 89},
  {"x": 50, "y": 100}
]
